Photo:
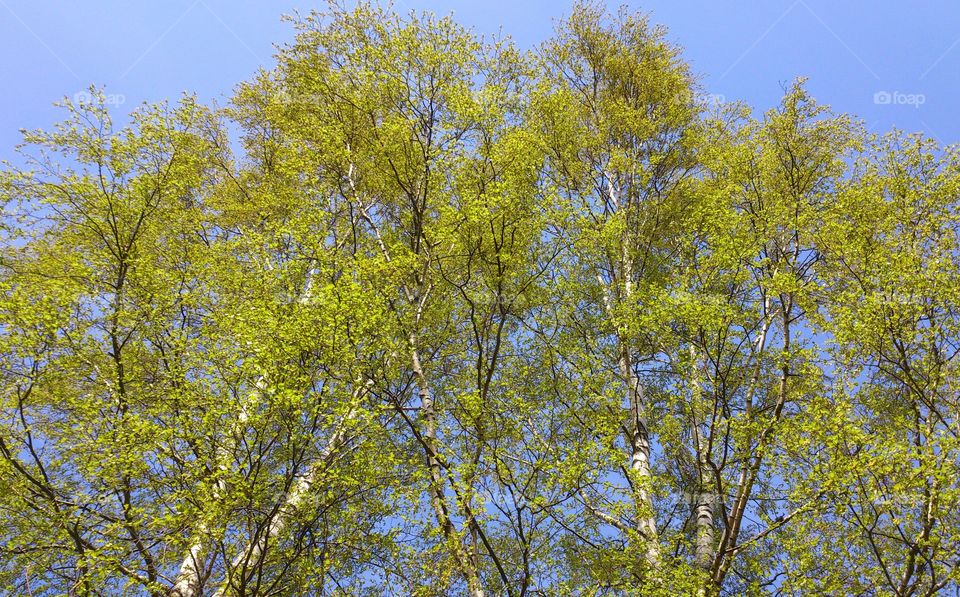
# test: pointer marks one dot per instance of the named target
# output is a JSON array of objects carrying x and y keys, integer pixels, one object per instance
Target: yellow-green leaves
[{"x": 460, "y": 319}]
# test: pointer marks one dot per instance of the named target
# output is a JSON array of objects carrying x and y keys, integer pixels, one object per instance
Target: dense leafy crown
[{"x": 449, "y": 318}]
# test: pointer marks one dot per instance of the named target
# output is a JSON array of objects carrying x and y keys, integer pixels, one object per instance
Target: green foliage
[{"x": 462, "y": 319}]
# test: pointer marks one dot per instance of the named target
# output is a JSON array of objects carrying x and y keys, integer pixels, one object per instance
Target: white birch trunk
[
  {"x": 440, "y": 506},
  {"x": 646, "y": 521},
  {"x": 300, "y": 491},
  {"x": 189, "y": 576},
  {"x": 705, "y": 497},
  {"x": 189, "y": 579}
]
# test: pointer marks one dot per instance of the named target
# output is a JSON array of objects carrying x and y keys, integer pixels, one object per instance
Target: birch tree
[{"x": 418, "y": 312}]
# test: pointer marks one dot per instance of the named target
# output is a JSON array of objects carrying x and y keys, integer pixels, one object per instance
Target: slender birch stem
[
  {"x": 706, "y": 494},
  {"x": 437, "y": 499},
  {"x": 189, "y": 579},
  {"x": 302, "y": 488}
]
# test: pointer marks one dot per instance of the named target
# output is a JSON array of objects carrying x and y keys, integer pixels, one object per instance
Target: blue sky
[{"x": 892, "y": 63}]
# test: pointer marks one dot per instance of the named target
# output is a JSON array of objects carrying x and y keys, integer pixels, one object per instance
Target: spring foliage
[{"x": 422, "y": 314}]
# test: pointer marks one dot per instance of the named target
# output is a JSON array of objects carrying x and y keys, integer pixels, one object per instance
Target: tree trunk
[
  {"x": 189, "y": 581},
  {"x": 705, "y": 496},
  {"x": 189, "y": 577},
  {"x": 646, "y": 521},
  {"x": 253, "y": 555},
  {"x": 437, "y": 499}
]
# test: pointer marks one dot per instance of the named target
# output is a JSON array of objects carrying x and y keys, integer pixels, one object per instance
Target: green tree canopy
[{"x": 418, "y": 313}]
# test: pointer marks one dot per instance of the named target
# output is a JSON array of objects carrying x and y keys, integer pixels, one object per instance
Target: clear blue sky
[{"x": 150, "y": 50}]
